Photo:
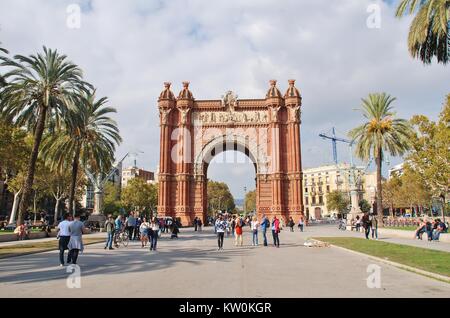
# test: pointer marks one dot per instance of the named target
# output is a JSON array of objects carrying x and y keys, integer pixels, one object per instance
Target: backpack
[{"x": 267, "y": 223}]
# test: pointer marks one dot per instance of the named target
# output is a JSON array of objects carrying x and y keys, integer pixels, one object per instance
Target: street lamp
[{"x": 245, "y": 200}]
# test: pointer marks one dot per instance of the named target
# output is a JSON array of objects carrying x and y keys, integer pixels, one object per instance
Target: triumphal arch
[{"x": 194, "y": 131}]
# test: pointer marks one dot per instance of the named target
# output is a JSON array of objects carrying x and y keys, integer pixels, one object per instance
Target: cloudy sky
[{"x": 129, "y": 48}]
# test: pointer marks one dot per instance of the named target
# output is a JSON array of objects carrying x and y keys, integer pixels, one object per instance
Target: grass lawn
[
  {"x": 426, "y": 259},
  {"x": 31, "y": 248},
  {"x": 402, "y": 228}
]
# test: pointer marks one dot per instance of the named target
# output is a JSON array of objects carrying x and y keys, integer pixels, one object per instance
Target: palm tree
[
  {"x": 88, "y": 140},
  {"x": 2, "y": 80},
  {"x": 41, "y": 90},
  {"x": 382, "y": 132},
  {"x": 428, "y": 32}
]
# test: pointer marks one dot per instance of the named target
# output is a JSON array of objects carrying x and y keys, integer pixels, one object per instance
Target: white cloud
[{"x": 129, "y": 48}]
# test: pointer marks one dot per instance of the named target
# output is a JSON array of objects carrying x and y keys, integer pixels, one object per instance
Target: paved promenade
[{"x": 192, "y": 267}]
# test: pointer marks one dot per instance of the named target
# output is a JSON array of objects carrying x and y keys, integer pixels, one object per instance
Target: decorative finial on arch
[
  {"x": 273, "y": 91},
  {"x": 291, "y": 82},
  {"x": 185, "y": 92},
  {"x": 167, "y": 85}
]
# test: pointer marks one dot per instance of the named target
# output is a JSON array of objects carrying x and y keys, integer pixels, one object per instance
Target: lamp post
[{"x": 245, "y": 201}]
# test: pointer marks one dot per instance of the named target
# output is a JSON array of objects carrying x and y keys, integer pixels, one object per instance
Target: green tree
[
  {"x": 88, "y": 139},
  {"x": 250, "y": 201},
  {"x": 391, "y": 194},
  {"x": 338, "y": 201},
  {"x": 41, "y": 88},
  {"x": 140, "y": 196},
  {"x": 430, "y": 155},
  {"x": 219, "y": 197},
  {"x": 428, "y": 32},
  {"x": 364, "y": 206},
  {"x": 380, "y": 133},
  {"x": 15, "y": 146},
  {"x": 111, "y": 204}
]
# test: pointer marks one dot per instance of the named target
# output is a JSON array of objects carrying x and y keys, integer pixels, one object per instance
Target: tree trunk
[
  {"x": 15, "y": 206},
  {"x": 28, "y": 184},
  {"x": 379, "y": 190},
  {"x": 73, "y": 183},
  {"x": 55, "y": 219},
  {"x": 34, "y": 208}
]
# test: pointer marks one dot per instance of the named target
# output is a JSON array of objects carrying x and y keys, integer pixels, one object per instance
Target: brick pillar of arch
[{"x": 294, "y": 167}]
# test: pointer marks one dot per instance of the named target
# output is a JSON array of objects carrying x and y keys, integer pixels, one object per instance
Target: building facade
[
  {"x": 134, "y": 172},
  {"x": 320, "y": 181}
]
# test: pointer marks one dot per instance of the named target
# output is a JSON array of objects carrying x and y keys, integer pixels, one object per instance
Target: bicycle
[{"x": 122, "y": 238}]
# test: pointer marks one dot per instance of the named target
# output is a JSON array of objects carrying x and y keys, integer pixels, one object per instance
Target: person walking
[
  {"x": 429, "y": 230},
  {"x": 154, "y": 225},
  {"x": 110, "y": 229},
  {"x": 195, "y": 224},
  {"x": 63, "y": 237},
  {"x": 76, "y": 229},
  {"x": 130, "y": 223},
  {"x": 220, "y": 226},
  {"x": 374, "y": 227},
  {"x": 301, "y": 224},
  {"x": 265, "y": 223},
  {"x": 233, "y": 225},
  {"x": 143, "y": 229},
  {"x": 365, "y": 220},
  {"x": 199, "y": 224},
  {"x": 254, "y": 225},
  {"x": 291, "y": 224},
  {"x": 276, "y": 231},
  {"x": 118, "y": 227},
  {"x": 239, "y": 240},
  {"x": 137, "y": 228}
]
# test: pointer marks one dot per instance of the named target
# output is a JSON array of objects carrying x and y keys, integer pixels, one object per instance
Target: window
[
  {"x": 320, "y": 199},
  {"x": 313, "y": 200},
  {"x": 306, "y": 200},
  {"x": 328, "y": 189},
  {"x": 306, "y": 190}
]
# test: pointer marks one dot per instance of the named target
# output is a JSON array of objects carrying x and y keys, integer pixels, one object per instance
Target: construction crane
[{"x": 334, "y": 141}]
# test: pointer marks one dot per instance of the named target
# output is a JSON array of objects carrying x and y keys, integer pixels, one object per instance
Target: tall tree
[
  {"x": 141, "y": 196},
  {"x": 250, "y": 201},
  {"x": 219, "y": 197},
  {"x": 379, "y": 134},
  {"x": 430, "y": 155},
  {"x": 428, "y": 32},
  {"x": 88, "y": 139},
  {"x": 41, "y": 89},
  {"x": 391, "y": 194},
  {"x": 338, "y": 201}
]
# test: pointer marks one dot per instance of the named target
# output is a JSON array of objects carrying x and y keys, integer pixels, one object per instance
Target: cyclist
[{"x": 118, "y": 226}]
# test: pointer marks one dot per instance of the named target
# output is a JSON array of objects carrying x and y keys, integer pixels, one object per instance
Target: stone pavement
[{"x": 192, "y": 267}]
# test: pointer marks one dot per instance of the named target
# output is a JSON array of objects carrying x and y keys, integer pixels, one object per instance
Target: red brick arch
[{"x": 194, "y": 131}]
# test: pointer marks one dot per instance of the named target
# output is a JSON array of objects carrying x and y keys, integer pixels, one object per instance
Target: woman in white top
[
  {"x": 143, "y": 229},
  {"x": 154, "y": 226},
  {"x": 254, "y": 225}
]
